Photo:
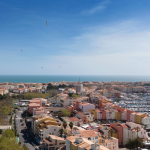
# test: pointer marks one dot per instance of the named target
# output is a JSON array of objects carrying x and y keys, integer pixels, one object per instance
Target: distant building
[{"x": 79, "y": 87}]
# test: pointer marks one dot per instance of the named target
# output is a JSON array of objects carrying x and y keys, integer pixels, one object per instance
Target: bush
[
  {"x": 65, "y": 112},
  {"x": 10, "y": 119}
]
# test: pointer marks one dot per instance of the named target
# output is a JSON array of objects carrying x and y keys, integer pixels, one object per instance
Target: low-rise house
[
  {"x": 74, "y": 120},
  {"x": 88, "y": 134},
  {"x": 85, "y": 116},
  {"x": 111, "y": 143},
  {"x": 86, "y": 106},
  {"x": 53, "y": 142},
  {"x": 78, "y": 143}
]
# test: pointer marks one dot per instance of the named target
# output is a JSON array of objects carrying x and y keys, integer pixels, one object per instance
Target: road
[{"x": 21, "y": 130}]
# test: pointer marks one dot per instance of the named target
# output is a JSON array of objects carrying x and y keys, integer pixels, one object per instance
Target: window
[
  {"x": 89, "y": 138},
  {"x": 96, "y": 137},
  {"x": 54, "y": 129}
]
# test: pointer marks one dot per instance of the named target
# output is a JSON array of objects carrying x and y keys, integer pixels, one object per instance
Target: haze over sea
[{"x": 73, "y": 78}]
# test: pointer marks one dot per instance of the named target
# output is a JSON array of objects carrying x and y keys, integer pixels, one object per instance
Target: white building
[{"x": 146, "y": 120}]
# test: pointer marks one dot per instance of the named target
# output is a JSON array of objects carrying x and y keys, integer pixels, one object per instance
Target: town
[{"x": 77, "y": 115}]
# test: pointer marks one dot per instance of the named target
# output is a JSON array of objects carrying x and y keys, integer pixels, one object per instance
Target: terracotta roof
[
  {"x": 88, "y": 133},
  {"x": 73, "y": 119}
]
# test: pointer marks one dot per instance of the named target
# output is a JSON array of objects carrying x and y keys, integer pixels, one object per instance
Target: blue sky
[{"x": 83, "y": 37}]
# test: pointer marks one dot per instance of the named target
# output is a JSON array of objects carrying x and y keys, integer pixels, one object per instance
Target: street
[{"x": 21, "y": 130}]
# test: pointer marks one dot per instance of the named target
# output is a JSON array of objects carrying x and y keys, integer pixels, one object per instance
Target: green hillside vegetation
[
  {"x": 5, "y": 108},
  {"x": 31, "y": 95},
  {"x": 8, "y": 141}
]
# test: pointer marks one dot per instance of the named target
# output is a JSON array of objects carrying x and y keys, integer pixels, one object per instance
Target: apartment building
[{"x": 43, "y": 124}]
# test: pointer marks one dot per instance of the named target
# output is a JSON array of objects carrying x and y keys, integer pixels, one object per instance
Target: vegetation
[
  {"x": 75, "y": 128},
  {"x": 64, "y": 124},
  {"x": 3, "y": 96},
  {"x": 132, "y": 144},
  {"x": 10, "y": 119},
  {"x": 61, "y": 131},
  {"x": 51, "y": 87},
  {"x": 111, "y": 131},
  {"x": 5, "y": 109},
  {"x": 73, "y": 95},
  {"x": 8, "y": 141},
  {"x": 1, "y": 131},
  {"x": 31, "y": 95},
  {"x": 71, "y": 125},
  {"x": 65, "y": 112}
]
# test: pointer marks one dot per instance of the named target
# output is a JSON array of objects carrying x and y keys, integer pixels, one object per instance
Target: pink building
[
  {"x": 86, "y": 106},
  {"x": 33, "y": 105},
  {"x": 119, "y": 129},
  {"x": 38, "y": 111},
  {"x": 35, "y": 101},
  {"x": 76, "y": 105},
  {"x": 108, "y": 115}
]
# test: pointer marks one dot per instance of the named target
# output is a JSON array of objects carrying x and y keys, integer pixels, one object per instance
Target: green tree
[
  {"x": 137, "y": 129},
  {"x": 61, "y": 131},
  {"x": 64, "y": 124},
  {"x": 70, "y": 94},
  {"x": 111, "y": 131},
  {"x": 75, "y": 128},
  {"x": 137, "y": 142},
  {"x": 130, "y": 144},
  {"x": 71, "y": 125},
  {"x": 65, "y": 112},
  {"x": 9, "y": 133}
]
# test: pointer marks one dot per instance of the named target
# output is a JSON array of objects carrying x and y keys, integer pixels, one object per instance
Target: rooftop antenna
[{"x": 79, "y": 79}]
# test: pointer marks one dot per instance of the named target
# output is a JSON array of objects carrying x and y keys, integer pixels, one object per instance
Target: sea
[{"x": 70, "y": 78}]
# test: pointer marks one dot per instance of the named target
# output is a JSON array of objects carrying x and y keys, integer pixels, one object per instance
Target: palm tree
[
  {"x": 71, "y": 125},
  {"x": 61, "y": 131},
  {"x": 64, "y": 124},
  {"x": 75, "y": 128},
  {"x": 130, "y": 144},
  {"x": 111, "y": 131},
  {"x": 138, "y": 129}
]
